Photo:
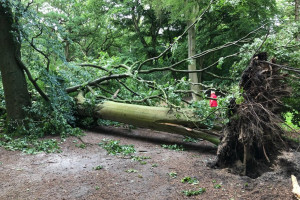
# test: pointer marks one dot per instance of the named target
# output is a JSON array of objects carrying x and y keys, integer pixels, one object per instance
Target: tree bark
[
  {"x": 192, "y": 66},
  {"x": 297, "y": 10},
  {"x": 297, "y": 2},
  {"x": 13, "y": 78},
  {"x": 156, "y": 118}
]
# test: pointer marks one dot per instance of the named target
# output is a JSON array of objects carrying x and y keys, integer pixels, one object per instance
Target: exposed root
[{"x": 254, "y": 136}]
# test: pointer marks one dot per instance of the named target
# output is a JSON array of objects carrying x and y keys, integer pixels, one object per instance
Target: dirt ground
[{"x": 71, "y": 174}]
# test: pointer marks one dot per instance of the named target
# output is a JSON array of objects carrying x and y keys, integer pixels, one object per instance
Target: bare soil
[{"x": 71, "y": 175}]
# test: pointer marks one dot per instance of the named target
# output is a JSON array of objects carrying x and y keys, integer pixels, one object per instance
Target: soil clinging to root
[{"x": 252, "y": 139}]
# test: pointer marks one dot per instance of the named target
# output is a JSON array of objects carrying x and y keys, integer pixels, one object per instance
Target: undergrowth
[{"x": 43, "y": 119}]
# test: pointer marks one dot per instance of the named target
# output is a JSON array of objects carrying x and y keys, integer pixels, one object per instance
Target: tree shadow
[{"x": 157, "y": 137}]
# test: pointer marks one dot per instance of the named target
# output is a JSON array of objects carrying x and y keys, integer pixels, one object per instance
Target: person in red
[{"x": 213, "y": 103}]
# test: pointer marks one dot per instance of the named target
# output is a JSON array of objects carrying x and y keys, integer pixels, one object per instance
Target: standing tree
[
  {"x": 13, "y": 78},
  {"x": 188, "y": 11},
  {"x": 297, "y": 2}
]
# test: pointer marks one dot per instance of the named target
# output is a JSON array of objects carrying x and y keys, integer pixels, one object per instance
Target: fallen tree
[
  {"x": 253, "y": 137},
  {"x": 181, "y": 122}
]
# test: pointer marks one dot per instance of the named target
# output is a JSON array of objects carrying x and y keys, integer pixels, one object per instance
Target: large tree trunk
[
  {"x": 156, "y": 118},
  {"x": 192, "y": 66},
  {"x": 13, "y": 78}
]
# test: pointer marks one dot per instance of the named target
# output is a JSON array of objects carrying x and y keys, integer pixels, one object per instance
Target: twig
[
  {"x": 94, "y": 66},
  {"x": 116, "y": 94},
  {"x": 130, "y": 90},
  {"x": 245, "y": 158},
  {"x": 265, "y": 154},
  {"x": 282, "y": 66},
  {"x": 38, "y": 50},
  {"x": 219, "y": 77}
]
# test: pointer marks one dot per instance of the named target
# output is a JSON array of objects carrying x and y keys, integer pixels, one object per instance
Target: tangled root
[{"x": 253, "y": 137}]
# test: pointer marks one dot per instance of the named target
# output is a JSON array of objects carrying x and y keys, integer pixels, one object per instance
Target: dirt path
[{"x": 71, "y": 175}]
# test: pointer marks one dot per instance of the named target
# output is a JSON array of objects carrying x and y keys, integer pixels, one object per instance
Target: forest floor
[{"x": 72, "y": 173}]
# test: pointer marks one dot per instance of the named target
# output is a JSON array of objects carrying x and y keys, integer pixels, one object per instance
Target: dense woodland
[{"x": 63, "y": 61}]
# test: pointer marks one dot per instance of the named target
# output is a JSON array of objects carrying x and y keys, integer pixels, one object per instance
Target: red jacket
[{"x": 213, "y": 103}]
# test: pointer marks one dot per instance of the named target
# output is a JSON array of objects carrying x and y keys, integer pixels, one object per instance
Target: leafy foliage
[
  {"x": 30, "y": 144},
  {"x": 172, "y": 174},
  {"x": 282, "y": 46},
  {"x": 113, "y": 147},
  {"x": 174, "y": 147},
  {"x": 190, "y": 180},
  {"x": 190, "y": 139},
  {"x": 99, "y": 167},
  {"x": 193, "y": 192}
]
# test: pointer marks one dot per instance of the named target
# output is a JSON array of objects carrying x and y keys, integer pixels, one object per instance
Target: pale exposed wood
[{"x": 296, "y": 187}]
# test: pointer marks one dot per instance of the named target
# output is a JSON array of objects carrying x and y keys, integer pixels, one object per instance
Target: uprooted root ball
[{"x": 253, "y": 137}]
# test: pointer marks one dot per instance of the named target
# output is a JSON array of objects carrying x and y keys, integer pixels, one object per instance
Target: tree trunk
[
  {"x": 156, "y": 118},
  {"x": 192, "y": 66},
  {"x": 297, "y": 2},
  {"x": 297, "y": 10},
  {"x": 13, "y": 78}
]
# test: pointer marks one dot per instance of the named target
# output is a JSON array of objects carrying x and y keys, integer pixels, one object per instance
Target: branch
[
  {"x": 39, "y": 90},
  {"x": 97, "y": 81},
  {"x": 94, "y": 66},
  {"x": 130, "y": 90},
  {"x": 38, "y": 50},
  {"x": 282, "y": 66},
  {"x": 112, "y": 94},
  {"x": 170, "y": 68},
  {"x": 220, "y": 77},
  {"x": 171, "y": 45},
  {"x": 144, "y": 100},
  {"x": 28, "y": 5}
]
